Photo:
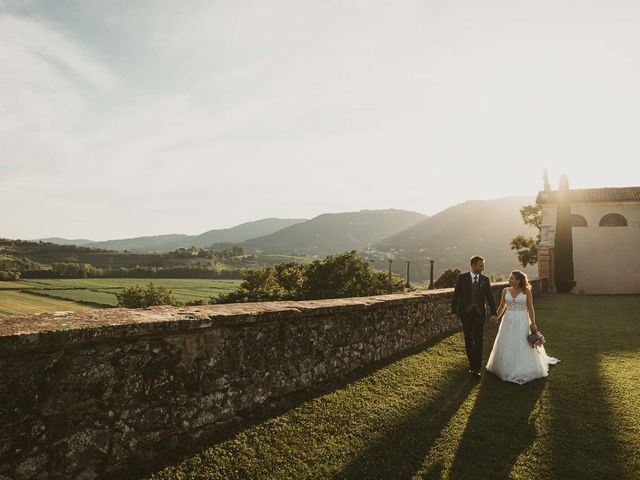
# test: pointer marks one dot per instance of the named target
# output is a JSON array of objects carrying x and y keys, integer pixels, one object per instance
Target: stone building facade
[{"x": 606, "y": 239}]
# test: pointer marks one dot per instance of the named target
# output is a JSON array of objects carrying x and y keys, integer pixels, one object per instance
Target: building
[{"x": 606, "y": 238}]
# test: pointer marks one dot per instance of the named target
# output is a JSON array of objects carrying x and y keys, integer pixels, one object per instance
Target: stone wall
[{"x": 89, "y": 394}]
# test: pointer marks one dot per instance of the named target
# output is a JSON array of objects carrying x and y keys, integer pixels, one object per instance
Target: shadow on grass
[
  {"x": 498, "y": 430},
  {"x": 398, "y": 453},
  {"x": 138, "y": 468}
]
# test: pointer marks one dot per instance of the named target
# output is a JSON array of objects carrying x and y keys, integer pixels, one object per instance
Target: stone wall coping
[{"x": 25, "y": 333}]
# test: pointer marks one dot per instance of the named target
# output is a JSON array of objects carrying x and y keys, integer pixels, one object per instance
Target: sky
[{"x": 128, "y": 118}]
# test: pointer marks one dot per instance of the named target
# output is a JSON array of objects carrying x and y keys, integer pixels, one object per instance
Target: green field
[
  {"x": 16, "y": 302},
  {"x": 19, "y": 285},
  {"x": 33, "y": 296},
  {"x": 93, "y": 297}
]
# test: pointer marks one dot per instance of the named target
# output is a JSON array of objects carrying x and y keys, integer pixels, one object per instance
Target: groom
[{"x": 472, "y": 291}]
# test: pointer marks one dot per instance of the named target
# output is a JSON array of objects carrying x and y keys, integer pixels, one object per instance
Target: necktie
[{"x": 475, "y": 280}]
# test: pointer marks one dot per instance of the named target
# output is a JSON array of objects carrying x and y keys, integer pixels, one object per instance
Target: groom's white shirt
[{"x": 474, "y": 275}]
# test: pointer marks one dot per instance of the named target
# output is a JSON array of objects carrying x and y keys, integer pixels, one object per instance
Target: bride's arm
[{"x": 532, "y": 313}]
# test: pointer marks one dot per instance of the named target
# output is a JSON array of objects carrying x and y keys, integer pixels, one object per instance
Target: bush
[
  {"x": 447, "y": 279},
  {"x": 74, "y": 270},
  {"x": 9, "y": 275},
  {"x": 496, "y": 277},
  {"x": 260, "y": 285},
  {"x": 142, "y": 297},
  {"x": 12, "y": 263}
]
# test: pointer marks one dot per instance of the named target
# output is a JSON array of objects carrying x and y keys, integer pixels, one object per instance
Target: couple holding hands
[{"x": 512, "y": 358}]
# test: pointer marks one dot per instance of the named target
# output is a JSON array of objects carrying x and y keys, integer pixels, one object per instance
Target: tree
[
  {"x": 531, "y": 215},
  {"x": 74, "y": 270},
  {"x": 259, "y": 285},
  {"x": 397, "y": 283},
  {"x": 290, "y": 276},
  {"x": 447, "y": 279},
  {"x": 336, "y": 276},
  {"x": 527, "y": 247},
  {"x": 345, "y": 275},
  {"x": 143, "y": 297},
  {"x": 563, "y": 253}
]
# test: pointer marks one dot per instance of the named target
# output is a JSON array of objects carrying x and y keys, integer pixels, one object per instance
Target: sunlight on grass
[
  {"x": 15, "y": 302},
  {"x": 619, "y": 373}
]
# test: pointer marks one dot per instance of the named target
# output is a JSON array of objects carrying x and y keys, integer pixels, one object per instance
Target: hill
[
  {"x": 167, "y": 243},
  {"x": 336, "y": 232},
  {"x": 245, "y": 231},
  {"x": 451, "y": 237},
  {"x": 154, "y": 243},
  {"x": 45, "y": 254},
  {"x": 64, "y": 241}
]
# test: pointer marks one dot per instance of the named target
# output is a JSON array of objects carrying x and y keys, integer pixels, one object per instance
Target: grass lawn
[{"x": 423, "y": 417}]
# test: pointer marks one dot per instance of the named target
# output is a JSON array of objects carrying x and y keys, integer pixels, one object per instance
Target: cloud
[{"x": 49, "y": 83}]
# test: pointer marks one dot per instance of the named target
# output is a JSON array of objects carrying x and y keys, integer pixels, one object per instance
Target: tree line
[
  {"x": 335, "y": 276},
  {"x": 86, "y": 270}
]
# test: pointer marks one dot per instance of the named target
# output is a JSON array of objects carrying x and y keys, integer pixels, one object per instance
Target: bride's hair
[{"x": 523, "y": 281}]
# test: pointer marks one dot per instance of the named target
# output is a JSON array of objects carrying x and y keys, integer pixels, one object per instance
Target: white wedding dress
[{"x": 512, "y": 358}]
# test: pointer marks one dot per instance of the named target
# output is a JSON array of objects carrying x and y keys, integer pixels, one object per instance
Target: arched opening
[
  {"x": 613, "y": 220},
  {"x": 578, "y": 220}
]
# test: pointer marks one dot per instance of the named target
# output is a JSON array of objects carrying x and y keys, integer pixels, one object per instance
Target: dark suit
[{"x": 469, "y": 302}]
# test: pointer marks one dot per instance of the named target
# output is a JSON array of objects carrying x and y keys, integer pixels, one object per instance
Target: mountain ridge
[
  {"x": 169, "y": 242},
  {"x": 449, "y": 237},
  {"x": 330, "y": 233},
  {"x": 452, "y": 236}
]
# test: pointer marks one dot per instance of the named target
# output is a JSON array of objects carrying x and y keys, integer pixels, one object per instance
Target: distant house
[{"x": 606, "y": 238}]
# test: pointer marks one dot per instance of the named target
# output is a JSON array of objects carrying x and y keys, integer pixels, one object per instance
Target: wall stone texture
[{"x": 88, "y": 394}]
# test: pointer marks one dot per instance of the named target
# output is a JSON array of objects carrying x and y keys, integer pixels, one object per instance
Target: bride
[{"x": 512, "y": 357}]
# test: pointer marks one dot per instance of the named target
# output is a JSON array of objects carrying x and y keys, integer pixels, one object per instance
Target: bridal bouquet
[{"x": 536, "y": 339}]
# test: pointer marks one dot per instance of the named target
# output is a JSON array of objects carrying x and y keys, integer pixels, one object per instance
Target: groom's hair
[{"x": 475, "y": 259}]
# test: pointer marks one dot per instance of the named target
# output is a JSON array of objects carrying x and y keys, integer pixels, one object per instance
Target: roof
[{"x": 593, "y": 195}]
